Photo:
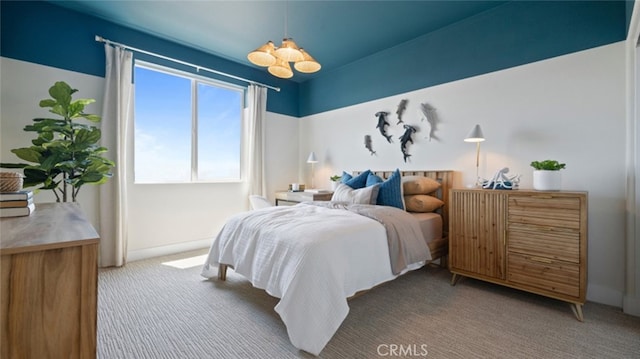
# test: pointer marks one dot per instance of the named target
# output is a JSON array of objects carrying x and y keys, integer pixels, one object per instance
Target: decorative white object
[
  {"x": 544, "y": 180},
  {"x": 501, "y": 180}
]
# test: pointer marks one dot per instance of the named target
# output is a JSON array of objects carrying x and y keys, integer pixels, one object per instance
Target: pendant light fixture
[
  {"x": 308, "y": 64},
  {"x": 277, "y": 59},
  {"x": 281, "y": 69},
  {"x": 264, "y": 55}
]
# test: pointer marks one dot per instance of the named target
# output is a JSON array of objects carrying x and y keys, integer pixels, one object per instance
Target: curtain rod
[{"x": 197, "y": 67}]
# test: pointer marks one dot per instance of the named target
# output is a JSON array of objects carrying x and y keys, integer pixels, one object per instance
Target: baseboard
[
  {"x": 631, "y": 305},
  {"x": 604, "y": 295},
  {"x": 166, "y": 250}
]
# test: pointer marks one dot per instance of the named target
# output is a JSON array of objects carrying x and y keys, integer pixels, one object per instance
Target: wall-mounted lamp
[
  {"x": 313, "y": 160},
  {"x": 476, "y": 136}
]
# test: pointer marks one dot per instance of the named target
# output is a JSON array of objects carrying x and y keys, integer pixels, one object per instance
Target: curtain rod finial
[{"x": 99, "y": 38}]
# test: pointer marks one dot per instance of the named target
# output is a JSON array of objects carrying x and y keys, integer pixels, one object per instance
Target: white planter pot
[
  {"x": 334, "y": 185},
  {"x": 547, "y": 180}
]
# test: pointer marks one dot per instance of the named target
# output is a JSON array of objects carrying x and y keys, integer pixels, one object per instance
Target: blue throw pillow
[
  {"x": 345, "y": 177},
  {"x": 373, "y": 179},
  {"x": 390, "y": 191},
  {"x": 358, "y": 181}
]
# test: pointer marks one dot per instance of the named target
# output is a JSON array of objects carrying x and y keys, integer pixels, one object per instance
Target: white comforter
[{"x": 312, "y": 258}]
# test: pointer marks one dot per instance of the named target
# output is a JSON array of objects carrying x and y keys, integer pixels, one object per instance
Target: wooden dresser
[
  {"x": 530, "y": 240},
  {"x": 49, "y": 287}
]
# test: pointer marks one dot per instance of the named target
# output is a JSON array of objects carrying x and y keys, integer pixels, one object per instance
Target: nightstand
[{"x": 297, "y": 197}]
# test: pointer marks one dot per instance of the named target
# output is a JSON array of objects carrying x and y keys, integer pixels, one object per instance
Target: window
[{"x": 187, "y": 127}]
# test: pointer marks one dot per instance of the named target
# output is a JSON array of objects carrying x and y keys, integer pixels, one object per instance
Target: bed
[{"x": 314, "y": 256}]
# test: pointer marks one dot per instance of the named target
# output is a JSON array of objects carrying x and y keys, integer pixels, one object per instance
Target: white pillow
[{"x": 366, "y": 195}]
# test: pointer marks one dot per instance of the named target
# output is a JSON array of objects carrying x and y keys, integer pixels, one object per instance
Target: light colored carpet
[{"x": 150, "y": 310}]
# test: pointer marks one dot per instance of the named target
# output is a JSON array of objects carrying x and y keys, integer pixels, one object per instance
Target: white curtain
[
  {"x": 116, "y": 121},
  {"x": 257, "y": 108}
]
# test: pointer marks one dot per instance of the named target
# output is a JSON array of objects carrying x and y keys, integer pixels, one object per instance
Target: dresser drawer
[
  {"x": 545, "y": 210},
  {"x": 545, "y": 274},
  {"x": 549, "y": 242}
]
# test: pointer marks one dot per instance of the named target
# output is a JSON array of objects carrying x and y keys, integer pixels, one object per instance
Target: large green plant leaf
[
  {"x": 29, "y": 154},
  {"x": 48, "y": 103},
  {"x": 61, "y": 92},
  {"x": 87, "y": 137},
  {"x": 53, "y": 161},
  {"x": 13, "y": 165},
  {"x": 59, "y": 109},
  {"x": 36, "y": 176},
  {"x": 43, "y": 138},
  {"x": 77, "y": 106},
  {"x": 92, "y": 118}
]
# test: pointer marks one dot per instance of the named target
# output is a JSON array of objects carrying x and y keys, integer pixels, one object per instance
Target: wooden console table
[{"x": 49, "y": 284}]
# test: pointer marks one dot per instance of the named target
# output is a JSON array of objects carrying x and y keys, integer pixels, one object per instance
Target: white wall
[
  {"x": 570, "y": 108},
  {"x": 281, "y": 157},
  {"x": 163, "y": 218},
  {"x": 631, "y": 301}
]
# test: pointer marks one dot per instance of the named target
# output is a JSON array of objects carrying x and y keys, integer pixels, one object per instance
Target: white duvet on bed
[{"x": 312, "y": 258}]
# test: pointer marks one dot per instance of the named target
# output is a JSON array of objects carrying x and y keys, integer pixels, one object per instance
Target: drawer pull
[{"x": 541, "y": 260}]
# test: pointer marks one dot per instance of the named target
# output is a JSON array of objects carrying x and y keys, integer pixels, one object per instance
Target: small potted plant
[
  {"x": 335, "y": 179},
  {"x": 546, "y": 176}
]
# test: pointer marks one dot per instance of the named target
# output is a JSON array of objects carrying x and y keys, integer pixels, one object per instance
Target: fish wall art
[
  {"x": 402, "y": 106},
  {"x": 405, "y": 139},
  {"x": 382, "y": 122},
  {"x": 429, "y": 113},
  {"x": 368, "y": 144}
]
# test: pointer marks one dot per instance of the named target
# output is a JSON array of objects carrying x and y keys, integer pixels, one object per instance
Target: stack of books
[{"x": 16, "y": 204}]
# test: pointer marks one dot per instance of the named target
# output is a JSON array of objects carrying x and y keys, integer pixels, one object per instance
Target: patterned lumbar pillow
[
  {"x": 390, "y": 193},
  {"x": 346, "y": 194}
]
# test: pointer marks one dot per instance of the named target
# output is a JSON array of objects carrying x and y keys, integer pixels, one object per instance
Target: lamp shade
[
  {"x": 289, "y": 51},
  {"x": 264, "y": 55},
  {"x": 308, "y": 64},
  {"x": 281, "y": 69},
  {"x": 475, "y": 135},
  {"x": 312, "y": 158}
]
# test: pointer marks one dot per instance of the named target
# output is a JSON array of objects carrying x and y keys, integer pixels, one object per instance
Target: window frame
[{"x": 194, "y": 79}]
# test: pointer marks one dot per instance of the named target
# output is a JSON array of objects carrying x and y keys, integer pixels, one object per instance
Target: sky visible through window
[{"x": 163, "y": 129}]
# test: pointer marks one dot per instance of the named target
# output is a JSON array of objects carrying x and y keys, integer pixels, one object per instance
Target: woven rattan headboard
[{"x": 444, "y": 177}]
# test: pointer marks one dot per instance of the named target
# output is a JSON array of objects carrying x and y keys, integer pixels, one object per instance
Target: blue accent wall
[
  {"x": 629, "y": 12},
  {"x": 50, "y": 35},
  {"x": 510, "y": 35}
]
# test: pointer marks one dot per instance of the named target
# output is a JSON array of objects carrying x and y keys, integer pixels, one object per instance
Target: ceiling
[{"x": 336, "y": 33}]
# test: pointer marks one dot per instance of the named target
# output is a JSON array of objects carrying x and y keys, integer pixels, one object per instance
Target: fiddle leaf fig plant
[
  {"x": 548, "y": 165},
  {"x": 65, "y": 155}
]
